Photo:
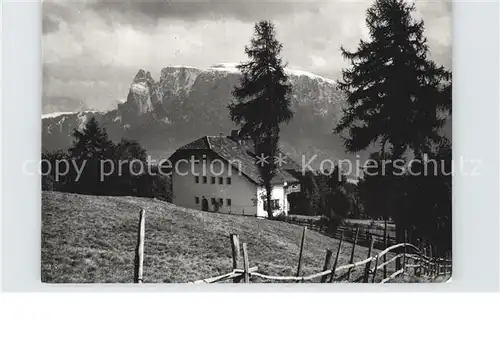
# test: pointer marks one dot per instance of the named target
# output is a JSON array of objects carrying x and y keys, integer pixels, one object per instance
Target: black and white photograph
[{"x": 211, "y": 142}]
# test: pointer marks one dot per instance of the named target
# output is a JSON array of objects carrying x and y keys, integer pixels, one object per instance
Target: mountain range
[{"x": 188, "y": 102}]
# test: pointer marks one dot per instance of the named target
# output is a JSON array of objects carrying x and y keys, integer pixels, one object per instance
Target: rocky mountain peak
[
  {"x": 143, "y": 76},
  {"x": 178, "y": 79}
]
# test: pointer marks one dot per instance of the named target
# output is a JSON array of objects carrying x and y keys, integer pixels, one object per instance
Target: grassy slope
[{"x": 92, "y": 239}]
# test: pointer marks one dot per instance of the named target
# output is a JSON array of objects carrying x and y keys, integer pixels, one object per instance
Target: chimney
[{"x": 235, "y": 135}]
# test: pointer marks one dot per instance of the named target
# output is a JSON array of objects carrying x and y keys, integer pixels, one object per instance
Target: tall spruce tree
[
  {"x": 91, "y": 142},
  {"x": 91, "y": 145},
  {"x": 263, "y": 100},
  {"x": 394, "y": 91}
]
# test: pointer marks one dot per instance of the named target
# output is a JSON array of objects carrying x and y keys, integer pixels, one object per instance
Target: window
[
  {"x": 204, "y": 179},
  {"x": 221, "y": 201},
  {"x": 228, "y": 180},
  {"x": 221, "y": 180},
  {"x": 213, "y": 201},
  {"x": 275, "y": 205},
  {"x": 196, "y": 200},
  {"x": 213, "y": 180},
  {"x": 196, "y": 179},
  {"x": 228, "y": 202}
]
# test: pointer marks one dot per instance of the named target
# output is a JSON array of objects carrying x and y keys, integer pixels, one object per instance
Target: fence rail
[
  {"x": 237, "y": 273},
  {"x": 417, "y": 258}
]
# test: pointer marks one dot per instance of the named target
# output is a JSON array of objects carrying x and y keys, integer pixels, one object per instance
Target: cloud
[
  {"x": 244, "y": 10},
  {"x": 91, "y": 51},
  {"x": 49, "y": 25}
]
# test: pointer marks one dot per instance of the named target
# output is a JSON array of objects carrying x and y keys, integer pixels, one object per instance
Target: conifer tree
[
  {"x": 395, "y": 93},
  {"x": 91, "y": 142},
  {"x": 263, "y": 100},
  {"x": 91, "y": 145}
]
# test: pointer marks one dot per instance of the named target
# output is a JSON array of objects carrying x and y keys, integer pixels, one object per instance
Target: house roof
[{"x": 240, "y": 156}]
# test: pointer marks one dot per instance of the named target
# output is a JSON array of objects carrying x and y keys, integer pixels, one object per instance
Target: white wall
[
  {"x": 242, "y": 191},
  {"x": 277, "y": 193}
]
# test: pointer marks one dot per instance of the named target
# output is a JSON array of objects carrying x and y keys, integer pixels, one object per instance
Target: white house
[{"x": 220, "y": 173}]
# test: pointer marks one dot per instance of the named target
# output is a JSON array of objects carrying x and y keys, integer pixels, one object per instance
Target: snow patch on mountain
[
  {"x": 183, "y": 77},
  {"x": 183, "y": 66},
  {"x": 309, "y": 75},
  {"x": 59, "y": 114},
  {"x": 225, "y": 67},
  {"x": 232, "y": 68}
]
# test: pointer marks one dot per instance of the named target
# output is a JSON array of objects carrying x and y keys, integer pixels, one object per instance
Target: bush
[
  {"x": 280, "y": 217},
  {"x": 47, "y": 182}
]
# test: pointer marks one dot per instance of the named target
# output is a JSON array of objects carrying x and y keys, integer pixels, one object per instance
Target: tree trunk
[
  {"x": 385, "y": 245},
  {"x": 269, "y": 189}
]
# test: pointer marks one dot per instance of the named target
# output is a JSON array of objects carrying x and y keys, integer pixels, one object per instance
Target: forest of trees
[{"x": 91, "y": 146}]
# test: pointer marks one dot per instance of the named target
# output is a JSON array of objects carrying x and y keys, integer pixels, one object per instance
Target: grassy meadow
[{"x": 91, "y": 239}]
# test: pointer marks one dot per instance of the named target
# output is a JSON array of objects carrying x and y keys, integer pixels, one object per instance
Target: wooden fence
[
  {"x": 383, "y": 237},
  {"x": 407, "y": 258}
]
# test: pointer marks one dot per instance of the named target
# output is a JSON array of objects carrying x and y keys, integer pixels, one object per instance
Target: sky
[{"x": 93, "y": 49}]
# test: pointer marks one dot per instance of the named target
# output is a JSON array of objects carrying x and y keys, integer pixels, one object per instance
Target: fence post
[
  {"x": 446, "y": 264},
  {"x": 375, "y": 269},
  {"x": 419, "y": 245},
  {"x": 139, "y": 252},
  {"x": 399, "y": 236},
  {"x": 246, "y": 268},
  {"x": 328, "y": 261},
  {"x": 235, "y": 248},
  {"x": 385, "y": 246},
  {"x": 404, "y": 252},
  {"x": 450, "y": 262},
  {"x": 438, "y": 266},
  {"x": 431, "y": 263},
  {"x": 368, "y": 264},
  {"x": 332, "y": 276},
  {"x": 426, "y": 256},
  {"x": 299, "y": 268},
  {"x": 351, "y": 260}
]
